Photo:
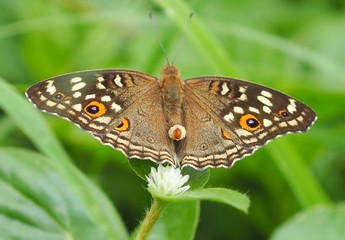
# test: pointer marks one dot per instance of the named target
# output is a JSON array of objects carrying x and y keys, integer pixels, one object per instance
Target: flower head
[{"x": 167, "y": 180}]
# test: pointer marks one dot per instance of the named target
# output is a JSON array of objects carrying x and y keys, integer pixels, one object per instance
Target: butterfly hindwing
[
  {"x": 206, "y": 143},
  {"x": 143, "y": 132}
]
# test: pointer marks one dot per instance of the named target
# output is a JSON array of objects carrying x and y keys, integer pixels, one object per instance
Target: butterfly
[{"x": 200, "y": 122}]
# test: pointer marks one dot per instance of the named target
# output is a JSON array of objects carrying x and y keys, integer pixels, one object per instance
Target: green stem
[{"x": 151, "y": 218}]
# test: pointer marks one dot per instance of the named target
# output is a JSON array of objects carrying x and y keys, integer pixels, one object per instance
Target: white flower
[{"x": 167, "y": 180}]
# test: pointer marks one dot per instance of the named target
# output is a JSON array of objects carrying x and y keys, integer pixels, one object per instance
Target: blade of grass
[
  {"x": 30, "y": 121},
  {"x": 304, "y": 185},
  {"x": 201, "y": 37},
  {"x": 289, "y": 48}
]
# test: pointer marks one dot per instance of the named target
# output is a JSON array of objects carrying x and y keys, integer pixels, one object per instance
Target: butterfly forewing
[
  {"x": 250, "y": 114},
  {"x": 121, "y": 108},
  {"x": 94, "y": 100}
]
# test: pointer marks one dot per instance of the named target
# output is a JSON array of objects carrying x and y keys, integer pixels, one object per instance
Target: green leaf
[
  {"x": 37, "y": 203},
  {"x": 197, "y": 179},
  {"x": 179, "y": 221},
  {"x": 319, "y": 223},
  {"x": 141, "y": 167},
  {"x": 230, "y": 197}
]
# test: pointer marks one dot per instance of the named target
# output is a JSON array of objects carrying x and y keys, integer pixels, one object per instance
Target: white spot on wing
[
  {"x": 83, "y": 120},
  {"x": 242, "y": 132},
  {"x": 264, "y": 100},
  {"x": 61, "y": 107},
  {"x": 266, "y": 109},
  {"x": 300, "y": 118},
  {"x": 267, "y": 122},
  {"x": 78, "y": 86},
  {"x": 43, "y": 98},
  {"x": 90, "y": 96},
  {"x": 292, "y": 102},
  {"x": 238, "y": 109},
  {"x": 242, "y": 89},
  {"x": 115, "y": 107},
  {"x": 100, "y": 86},
  {"x": 225, "y": 89},
  {"x": 266, "y": 94},
  {"x": 77, "y": 94},
  {"x": 51, "y": 90},
  {"x": 106, "y": 99},
  {"x": 75, "y": 79},
  {"x": 117, "y": 81},
  {"x": 100, "y": 79},
  {"x": 262, "y": 135},
  {"x": 77, "y": 107},
  {"x": 293, "y": 122},
  {"x": 50, "y": 103},
  {"x": 104, "y": 119},
  {"x": 282, "y": 124},
  {"x": 243, "y": 97},
  {"x": 255, "y": 110},
  {"x": 49, "y": 83},
  {"x": 250, "y": 140},
  {"x": 291, "y": 108},
  {"x": 229, "y": 117},
  {"x": 95, "y": 126}
]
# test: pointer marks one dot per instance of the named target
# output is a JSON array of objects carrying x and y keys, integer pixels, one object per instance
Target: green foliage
[
  {"x": 37, "y": 203},
  {"x": 321, "y": 222},
  {"x": 293, "y": 46}
]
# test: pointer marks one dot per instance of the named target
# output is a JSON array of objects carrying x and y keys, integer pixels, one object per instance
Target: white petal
[{"x": 167, "y": 180}]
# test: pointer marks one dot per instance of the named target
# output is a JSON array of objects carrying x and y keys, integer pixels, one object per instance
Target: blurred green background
[{"x": 294, "y": 46}]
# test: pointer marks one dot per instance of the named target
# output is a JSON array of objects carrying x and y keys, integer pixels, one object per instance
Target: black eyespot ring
[
  {"x": 283, "y": 113},
  {"x": 203, "y": 146},
  {"x": 250, "y": 122},
  {"x": 124, "y": 126},
  {"x": 92, "y": 109},
  {"x": 95, "y": 109},
  {"x": 59, "y": 96}
]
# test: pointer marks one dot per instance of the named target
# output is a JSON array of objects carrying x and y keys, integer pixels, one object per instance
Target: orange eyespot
[
  {"x": 123, "y": 126},
  {"x": 250, "y": 122},
  {"x": 95, "y": 109},
  {"x": 283, "y": 113}
]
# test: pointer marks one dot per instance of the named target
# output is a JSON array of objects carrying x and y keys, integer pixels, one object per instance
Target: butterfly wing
[
  {"x": 244, "y": 115},
  {"x": 121, "y": 108},
  {"x": 206, "y": 145}
]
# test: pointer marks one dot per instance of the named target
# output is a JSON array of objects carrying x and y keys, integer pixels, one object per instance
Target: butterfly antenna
[
  {"x": 182, "y": 40},
  {"x": 155, "y": 28}
]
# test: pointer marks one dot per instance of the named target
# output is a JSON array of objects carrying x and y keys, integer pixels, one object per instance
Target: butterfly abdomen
[{"x": 172, "y": 99}]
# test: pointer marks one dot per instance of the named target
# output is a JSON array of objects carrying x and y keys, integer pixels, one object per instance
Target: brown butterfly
[{"x": 201, "y": 122}]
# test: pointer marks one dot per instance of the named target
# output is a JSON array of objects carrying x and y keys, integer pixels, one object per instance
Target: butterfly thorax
[{"x": 172, "y": 99}]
